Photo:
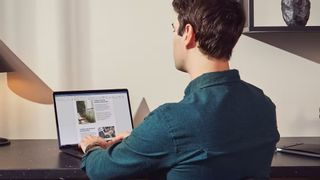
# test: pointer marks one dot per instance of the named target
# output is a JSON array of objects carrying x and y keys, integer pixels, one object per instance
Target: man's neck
[{"x": 201, "y": 65}]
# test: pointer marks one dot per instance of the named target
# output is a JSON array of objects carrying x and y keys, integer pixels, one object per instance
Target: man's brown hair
[{"x": 217, "y": 24}]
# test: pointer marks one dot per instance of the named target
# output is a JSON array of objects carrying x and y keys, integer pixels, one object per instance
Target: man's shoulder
[
  {"x": 252, "y": 86},
  {"x": 168, "y": 108},
  {"x": 258, "y": 91},
  {"x": 167, "y": 112}
]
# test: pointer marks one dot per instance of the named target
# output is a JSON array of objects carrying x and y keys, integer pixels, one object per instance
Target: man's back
[{"x": 224, "y": 128}]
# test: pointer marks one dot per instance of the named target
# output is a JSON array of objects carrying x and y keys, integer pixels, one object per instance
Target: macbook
[{"x": 103, "y": 113}]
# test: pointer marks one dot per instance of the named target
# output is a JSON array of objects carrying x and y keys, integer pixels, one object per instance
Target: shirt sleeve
[{"x": 149, "y": 148}]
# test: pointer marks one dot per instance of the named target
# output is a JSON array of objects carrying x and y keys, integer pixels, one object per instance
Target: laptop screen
[{"x": 103, "y": 113}]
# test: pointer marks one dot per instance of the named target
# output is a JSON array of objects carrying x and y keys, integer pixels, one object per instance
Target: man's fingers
[{"x": 100, "y": 141}]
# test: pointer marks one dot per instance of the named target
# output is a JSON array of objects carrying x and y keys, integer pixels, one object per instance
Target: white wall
[{"x": 81, "y": 44}]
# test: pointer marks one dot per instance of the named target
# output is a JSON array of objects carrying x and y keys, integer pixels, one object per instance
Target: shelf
[
  {"x": 251, "y": 27},
  {"x": 302, "y": 44},
  {"x": 301, "y": 41},
  {"x": 273, "y": 29}
]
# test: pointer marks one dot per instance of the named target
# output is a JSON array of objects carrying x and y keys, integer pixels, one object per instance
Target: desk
[
  {"x": 37, "y": 159},
  {"x": 41, "y": 159}
]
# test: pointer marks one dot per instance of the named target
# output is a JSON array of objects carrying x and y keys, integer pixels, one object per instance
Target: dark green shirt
[{"x": 223, "y": 128}]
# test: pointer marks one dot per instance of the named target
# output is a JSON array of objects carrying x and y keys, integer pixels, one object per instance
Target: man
[{"x": 223, "y": 128}]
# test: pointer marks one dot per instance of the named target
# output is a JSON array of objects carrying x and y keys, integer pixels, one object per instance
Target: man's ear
[{"x": 189, "y": 37}]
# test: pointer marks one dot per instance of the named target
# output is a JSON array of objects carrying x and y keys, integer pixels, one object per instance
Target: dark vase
[{"x": 295, "y": 12}]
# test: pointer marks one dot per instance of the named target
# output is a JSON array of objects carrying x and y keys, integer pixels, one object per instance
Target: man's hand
[
  {"x": 120, "y": 136},
  {"x": 90, "y": 140}
]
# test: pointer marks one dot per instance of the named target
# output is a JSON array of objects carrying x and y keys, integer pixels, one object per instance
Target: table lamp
[
  {"x": 4, "y": 68},
  {"x": 22, "y": 80}
]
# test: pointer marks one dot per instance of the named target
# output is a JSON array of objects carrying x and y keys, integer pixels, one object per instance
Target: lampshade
[
  {"x": 21, "y": 79},
  {"x": 4, "y": 67}
]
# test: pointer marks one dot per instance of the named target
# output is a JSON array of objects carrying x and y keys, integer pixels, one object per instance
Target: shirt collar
[{"x": 211, "y": 79}]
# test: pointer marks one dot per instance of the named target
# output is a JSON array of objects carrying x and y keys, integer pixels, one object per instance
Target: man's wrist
[{"x": 91, "y": 147}]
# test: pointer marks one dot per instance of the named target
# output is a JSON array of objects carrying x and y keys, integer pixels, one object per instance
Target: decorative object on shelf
[{"x": 295, "y": 12}]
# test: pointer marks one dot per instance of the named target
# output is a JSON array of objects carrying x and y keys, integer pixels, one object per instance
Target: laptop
[
  {"x": 103, "y": 113},
  {"x": 311, "y": 150}
]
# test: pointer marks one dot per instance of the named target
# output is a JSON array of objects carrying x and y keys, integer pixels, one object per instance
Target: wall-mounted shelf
[
  {"x": 274, "y": 29},
  {"x": 301, "y": 41}
]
